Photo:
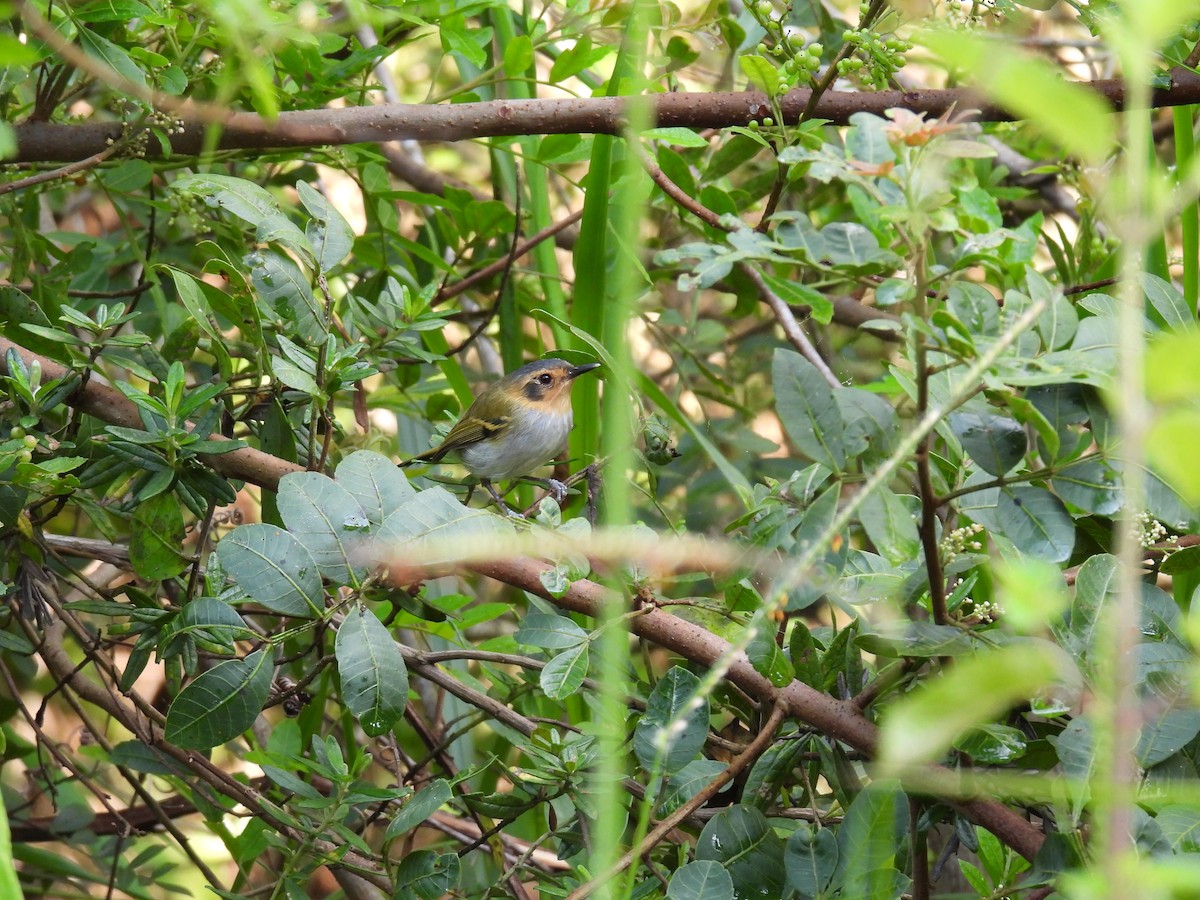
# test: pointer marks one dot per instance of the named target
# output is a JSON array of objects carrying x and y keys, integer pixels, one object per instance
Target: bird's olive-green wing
[{"x": 468, "y": 430}]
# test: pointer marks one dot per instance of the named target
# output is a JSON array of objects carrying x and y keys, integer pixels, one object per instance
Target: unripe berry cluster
[
  {"x": 800, "y": 60},
  {"x": 880, "y": 56}
]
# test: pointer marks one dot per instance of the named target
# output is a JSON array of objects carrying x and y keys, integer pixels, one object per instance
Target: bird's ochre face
[{"x": 545, "y": 384}]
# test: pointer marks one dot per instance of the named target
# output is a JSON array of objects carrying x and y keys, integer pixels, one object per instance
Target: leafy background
[{"x": 877, "y": 582}]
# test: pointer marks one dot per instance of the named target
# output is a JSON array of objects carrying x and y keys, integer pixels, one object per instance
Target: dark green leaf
[
  {"x": 996, "y": 443},
  {"x": 703, "y": 879},
  {"x": 675, "y": 725},
  {"x": 563, "y": 675},
  {"x": 808, "y": 409},
  {"x": 274, "y": 569},
  {"x": 220, "y": 704},
  {"x": 156, "y": 538},
  {"x": 742, "y": 840},
  {"x": 371, "y": 669},
  {"x": 811, "y": 858},
  {"x": 419, "y": 807},
  {"x": 1032, "y": 518},
  {"x": 991, "y": 744}
]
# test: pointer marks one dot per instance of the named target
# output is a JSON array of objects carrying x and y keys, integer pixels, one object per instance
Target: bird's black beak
[{"x": 576, "y": 371}]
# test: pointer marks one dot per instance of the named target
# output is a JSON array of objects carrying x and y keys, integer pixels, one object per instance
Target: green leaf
[
  {"x": 563, "y": 675},
  {"x": 1032, "y": 518},
  {"x": 329, "y": 234},
  {"x": 1165, "y": 305},
  {"x": 1031, "y": 591},
  {"x": 853, "y": 245},
  {"x": 371, "y": 670},
  {"x": 327, "y": 520},
  {"x": 870, "y": 421},
  {"x": 245, "y": 199},
  {"x": 518, "y": 56},
  {"x": 761, "y": 72},
  {"x": 811, "y": 858},
  {"x": 702, "y": 879},
  {"x": 919, "y": 639},
  {"x": 768, "y": 659},
  {"x": 996, "y": 443},
  {"x": 1166, "y": 735},
  {"x": 549, "y": 631},
  {"x": 975, "y": 306},
  {"x": 679, "y": 137},
  {"x": 867, "y": 139},
  {"x": 220, "y": 704},
  {"x": 868, "y": 841},
  {"x": 116, "y": 58},
  {"x": 992, "y": 744},
  {"x": 688, "y": 782},
  {"x": 288, "y": 293},
  {"x": 890, "y": 524},
  {"x": 434, "y": 527},
  {"x": 294, "y": 377},
  {"x": 1170, "y": 447},
  {"x": 156, "y": 538},
  {"x": 427, "y": 875},
  {"x": 809, "y": 412},
  {"x": 742, "y": 840},
  {"x": 794, "y": 293},
  {"x": 419, "y": 807},
  {"x": 675, "y": 725},
  {"x": 375, "y": 482},
  {"x": 1093, "y": 485},
  {"x": 274, "y": 569}
]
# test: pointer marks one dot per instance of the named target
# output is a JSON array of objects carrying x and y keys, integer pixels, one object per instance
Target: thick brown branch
[{"x": 52, "y": 142}]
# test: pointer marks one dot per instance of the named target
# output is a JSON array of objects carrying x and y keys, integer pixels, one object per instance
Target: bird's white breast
[{"x": 532, "y": 438}]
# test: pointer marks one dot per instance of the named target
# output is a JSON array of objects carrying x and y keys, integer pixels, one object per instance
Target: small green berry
[{"x": 816, "y": 49}]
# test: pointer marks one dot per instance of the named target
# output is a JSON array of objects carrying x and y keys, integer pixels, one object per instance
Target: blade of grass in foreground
[{"x": 1189, "y": 213}]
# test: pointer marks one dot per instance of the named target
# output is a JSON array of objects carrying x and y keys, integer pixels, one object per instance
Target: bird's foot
[
  {"x": 512, "y": 514},
  {"x": 558, "y": 490}
]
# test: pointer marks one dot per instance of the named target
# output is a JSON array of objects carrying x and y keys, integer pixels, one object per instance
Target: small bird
[{"x": 514, "y": 426}]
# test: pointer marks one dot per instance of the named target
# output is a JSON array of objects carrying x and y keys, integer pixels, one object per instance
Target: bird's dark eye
[{"x": 545, "y": 378}]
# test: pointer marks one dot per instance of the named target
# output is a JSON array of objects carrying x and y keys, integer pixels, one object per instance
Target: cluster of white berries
[
  {"x": 960, "y": 541},
  {"x": 1147, "y": 530},
  {"x": 987, "y": 611}
]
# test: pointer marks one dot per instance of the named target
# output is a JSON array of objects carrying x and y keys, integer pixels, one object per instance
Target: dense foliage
[{"x": 875, "y": 577}]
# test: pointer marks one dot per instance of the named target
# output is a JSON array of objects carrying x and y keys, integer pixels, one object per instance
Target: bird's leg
[{"x": 499, "y": 500}]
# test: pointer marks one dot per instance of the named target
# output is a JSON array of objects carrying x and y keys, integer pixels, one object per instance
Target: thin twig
[
  {"x": 64, "y": 172},
  {"x": 791, "y": 328}
]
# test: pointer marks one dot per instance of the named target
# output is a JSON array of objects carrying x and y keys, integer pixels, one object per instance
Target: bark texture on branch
[{"x": 53, "y": 142}]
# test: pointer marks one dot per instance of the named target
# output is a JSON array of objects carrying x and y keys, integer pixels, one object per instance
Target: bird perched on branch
[{"x": 514, "y": 426}]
